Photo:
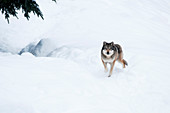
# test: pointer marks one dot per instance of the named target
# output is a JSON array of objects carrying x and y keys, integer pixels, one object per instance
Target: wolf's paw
[{"x": 106, "y": 70}]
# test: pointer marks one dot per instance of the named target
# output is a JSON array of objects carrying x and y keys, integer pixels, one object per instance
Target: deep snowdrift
[
  {"x": 68, "y": 76},
  {"x": 42, "y": 48}
]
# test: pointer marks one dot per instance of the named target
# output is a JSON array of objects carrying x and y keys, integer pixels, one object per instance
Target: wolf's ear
[
  {"x": 104, "y": 43},
  {"x": 112, "y": 43}
]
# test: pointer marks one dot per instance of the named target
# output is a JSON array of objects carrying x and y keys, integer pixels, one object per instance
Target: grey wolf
[{"x": 110, "y": 53}]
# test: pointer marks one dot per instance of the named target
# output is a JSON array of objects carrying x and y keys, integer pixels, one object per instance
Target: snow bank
[
  {"x": 40, "y": 49},
  {"x": 49, "y": 48}
]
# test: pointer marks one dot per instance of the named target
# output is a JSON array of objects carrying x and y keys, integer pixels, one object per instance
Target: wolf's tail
[{"x": 125, "y": 62}]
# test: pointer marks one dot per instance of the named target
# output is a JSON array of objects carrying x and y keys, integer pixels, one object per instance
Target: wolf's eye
[{"x": 105, "y": 47}]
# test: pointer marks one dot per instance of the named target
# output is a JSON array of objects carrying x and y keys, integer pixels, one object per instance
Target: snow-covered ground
[{"x": 53, "y": 66}]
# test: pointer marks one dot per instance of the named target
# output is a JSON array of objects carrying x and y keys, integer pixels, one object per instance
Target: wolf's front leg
[
  {"x": 105, "y": 66},
  {"x": 111, "y": 69},
  {"x": 105, "y": 69}
]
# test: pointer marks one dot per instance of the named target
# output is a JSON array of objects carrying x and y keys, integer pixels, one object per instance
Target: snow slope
[{"x": 67, "y": 75}]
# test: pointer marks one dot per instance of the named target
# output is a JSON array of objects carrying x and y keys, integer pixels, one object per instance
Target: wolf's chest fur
[{"x": 108, "y": 60}]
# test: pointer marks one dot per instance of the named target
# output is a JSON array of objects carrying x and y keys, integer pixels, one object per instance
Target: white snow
[{"x": 59, "y": 68}]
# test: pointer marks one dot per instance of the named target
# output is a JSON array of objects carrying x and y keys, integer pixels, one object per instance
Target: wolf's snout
[{"x": 107, "y": 52}]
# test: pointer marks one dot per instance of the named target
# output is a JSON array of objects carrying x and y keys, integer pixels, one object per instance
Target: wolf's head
[{"x": 108, "y": 49}]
